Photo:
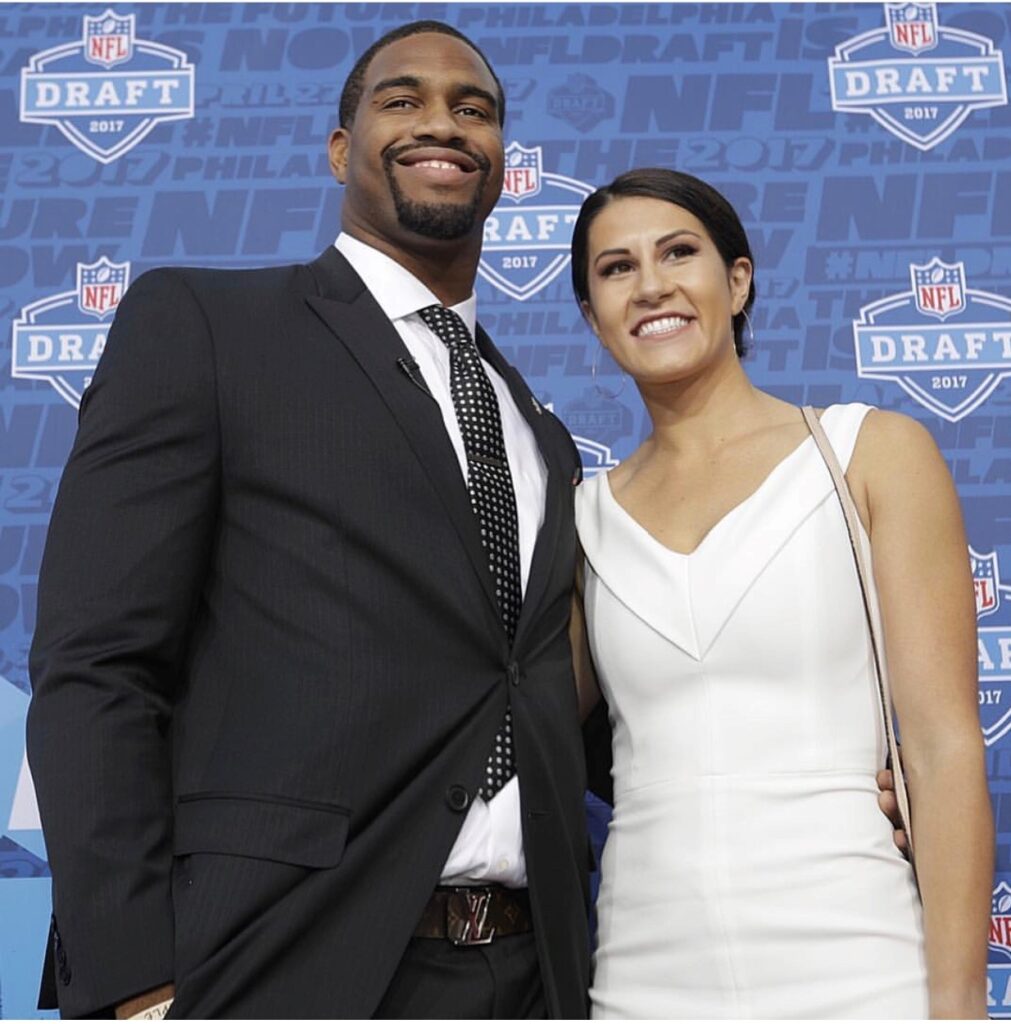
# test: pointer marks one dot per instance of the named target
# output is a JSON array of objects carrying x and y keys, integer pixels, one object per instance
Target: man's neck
[{"x": 447, "y": 269}]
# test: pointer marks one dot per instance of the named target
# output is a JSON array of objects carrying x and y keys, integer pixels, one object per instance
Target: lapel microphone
[{"x": 410, "y": 369}]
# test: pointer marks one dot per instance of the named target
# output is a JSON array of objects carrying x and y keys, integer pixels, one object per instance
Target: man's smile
[{"x": 436, "y": 165}]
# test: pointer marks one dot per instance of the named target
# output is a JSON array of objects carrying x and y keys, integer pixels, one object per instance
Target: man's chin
[{"x": 446, "y": 222}]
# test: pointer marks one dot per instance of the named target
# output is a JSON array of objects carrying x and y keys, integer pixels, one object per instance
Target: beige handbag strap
[{"x": 884, "y": 692}]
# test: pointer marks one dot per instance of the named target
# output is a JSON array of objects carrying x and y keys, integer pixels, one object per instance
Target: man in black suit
[{"x": 304, "y": 728}]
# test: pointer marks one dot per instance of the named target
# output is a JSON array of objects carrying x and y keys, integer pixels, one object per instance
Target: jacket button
[
  {"x": 513, "y": 670},
  {"x": 457, "y": 798}
]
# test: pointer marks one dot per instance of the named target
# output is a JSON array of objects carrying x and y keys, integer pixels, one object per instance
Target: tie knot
[{"x": 447, "y": 324}]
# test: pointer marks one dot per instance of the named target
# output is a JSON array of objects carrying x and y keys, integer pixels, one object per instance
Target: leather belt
[{"x": 475, "y": 915}]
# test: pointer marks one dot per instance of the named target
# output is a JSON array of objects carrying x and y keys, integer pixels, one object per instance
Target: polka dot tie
[{"x": 490, "y": 485}]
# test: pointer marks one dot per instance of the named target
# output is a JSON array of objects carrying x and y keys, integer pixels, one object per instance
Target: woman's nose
[{"x": 653, "y": 284}]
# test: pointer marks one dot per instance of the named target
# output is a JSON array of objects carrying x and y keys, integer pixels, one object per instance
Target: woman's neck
[{"x": 700, "y": 415}]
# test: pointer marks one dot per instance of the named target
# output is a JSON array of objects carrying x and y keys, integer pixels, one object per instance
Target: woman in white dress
[{"x": 748, "y": 871}]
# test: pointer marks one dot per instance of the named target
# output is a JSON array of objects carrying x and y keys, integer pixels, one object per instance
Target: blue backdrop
[{"x": 867, "y": 148}]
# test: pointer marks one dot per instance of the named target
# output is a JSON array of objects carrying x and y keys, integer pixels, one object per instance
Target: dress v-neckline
[
  {"x": 688, "y": 597},
  {"x": 719, "y": 522}
]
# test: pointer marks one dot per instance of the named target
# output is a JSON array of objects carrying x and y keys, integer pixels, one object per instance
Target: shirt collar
[{"x": 398, "y": 292}]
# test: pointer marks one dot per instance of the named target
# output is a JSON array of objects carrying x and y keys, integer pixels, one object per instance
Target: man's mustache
[{"x": 394, "y": 153}]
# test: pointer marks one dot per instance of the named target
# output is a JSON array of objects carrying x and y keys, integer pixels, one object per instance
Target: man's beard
[{"x": 441, "y": 221}]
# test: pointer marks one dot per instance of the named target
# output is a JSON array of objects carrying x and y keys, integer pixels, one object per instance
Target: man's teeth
[
  {"x": 662, "y": 325},
  {"x": 442, "y": 165}
]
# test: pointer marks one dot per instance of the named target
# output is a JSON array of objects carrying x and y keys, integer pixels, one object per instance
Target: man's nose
[{"x": 436, "y": 121}]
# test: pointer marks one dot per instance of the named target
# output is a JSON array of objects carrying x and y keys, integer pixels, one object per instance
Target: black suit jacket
[{"x": 269, "y": 664}]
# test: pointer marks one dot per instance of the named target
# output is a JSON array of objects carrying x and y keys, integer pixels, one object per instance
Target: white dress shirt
[{"x": 489, "y": 847}]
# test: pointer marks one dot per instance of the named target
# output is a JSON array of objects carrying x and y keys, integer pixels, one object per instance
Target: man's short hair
[{"x": 351, "y": 94}]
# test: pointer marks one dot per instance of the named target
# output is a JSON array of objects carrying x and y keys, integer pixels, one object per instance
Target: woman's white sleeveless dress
[{"x": 748, "y": 871}]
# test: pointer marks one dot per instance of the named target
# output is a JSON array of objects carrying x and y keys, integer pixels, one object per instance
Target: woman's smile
[{"x": 661, "y": 326}]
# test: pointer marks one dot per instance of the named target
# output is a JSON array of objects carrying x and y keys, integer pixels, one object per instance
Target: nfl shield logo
[
  {"x": 1000, "y": 924},
  {"x": 523, "y": 169},
  {"x": 100, "y": 285},
  {"x": 912, "y": 27},
  {"x": 108, "y": 39},
  {"x": 985, "y": 582},
  {"x": 938, "y": 287}
]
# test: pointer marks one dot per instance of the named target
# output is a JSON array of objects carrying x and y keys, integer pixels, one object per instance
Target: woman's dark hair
[{"x": 692, "y": 194}]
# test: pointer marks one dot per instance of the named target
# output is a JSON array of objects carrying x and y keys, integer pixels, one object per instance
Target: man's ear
[{"x": 337, "y": 148}]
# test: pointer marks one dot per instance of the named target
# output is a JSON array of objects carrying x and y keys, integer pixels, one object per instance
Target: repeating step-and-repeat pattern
[{"x": 867, "y": 148}]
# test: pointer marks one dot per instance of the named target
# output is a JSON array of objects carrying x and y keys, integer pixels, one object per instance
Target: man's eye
[{"x": 474, "y": 112}]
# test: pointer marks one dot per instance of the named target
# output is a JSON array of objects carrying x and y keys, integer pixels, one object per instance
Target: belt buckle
[{"x": 466, "y": 916}]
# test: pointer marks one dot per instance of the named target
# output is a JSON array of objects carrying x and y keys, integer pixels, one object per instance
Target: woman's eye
[
  {"x": 618, "y": 267},
  {"x": 677, "y": 251}
]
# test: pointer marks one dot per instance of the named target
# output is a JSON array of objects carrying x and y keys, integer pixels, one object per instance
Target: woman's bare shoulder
[{"x": 893, "y": 442}]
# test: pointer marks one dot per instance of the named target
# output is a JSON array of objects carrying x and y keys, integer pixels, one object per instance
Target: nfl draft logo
[
  {"x": 999, "y": 968},
  {"x": 596, "y": 424},
  {"x": 106, "y": 112},
  {"x": 526, "y": 244},
  {"x": 55, "y": 341},
  {"x": 580, "y": 102},
  {"x": 22, "y": 849},
  {"x": 993, "y": 641},
  {"x": 985, "y": 582},
  {"x": 946, "y": 345},
  {"x": 596, "y": 457},
  {"x": 598, "y": 416},
  {"x": 916, "y": 78}
]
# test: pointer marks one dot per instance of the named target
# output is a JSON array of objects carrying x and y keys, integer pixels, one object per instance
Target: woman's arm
[
  {"x": 921, "y": 569},
  {"x": 582, "y": 663}
]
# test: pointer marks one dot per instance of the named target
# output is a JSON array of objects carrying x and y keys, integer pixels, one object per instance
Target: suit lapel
[
  {"x": 547, "y": 538},
  {"x": 348, "y": 309}
]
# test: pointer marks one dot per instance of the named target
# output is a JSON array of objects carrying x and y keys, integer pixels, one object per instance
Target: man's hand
[
  {"x": 890, "y": 806},
  {"x": 137, "y": 1005}
]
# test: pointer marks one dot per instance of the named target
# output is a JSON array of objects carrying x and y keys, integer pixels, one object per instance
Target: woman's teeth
[{"x": 662, "y": 326}]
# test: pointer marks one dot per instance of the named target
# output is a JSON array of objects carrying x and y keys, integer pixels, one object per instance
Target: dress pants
[{"x": 436, "y": 979}]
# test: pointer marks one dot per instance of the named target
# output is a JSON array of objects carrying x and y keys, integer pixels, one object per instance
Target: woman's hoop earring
[
  {"x": 751, "y": 329},
  {"x": 603, "y": 392}
]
